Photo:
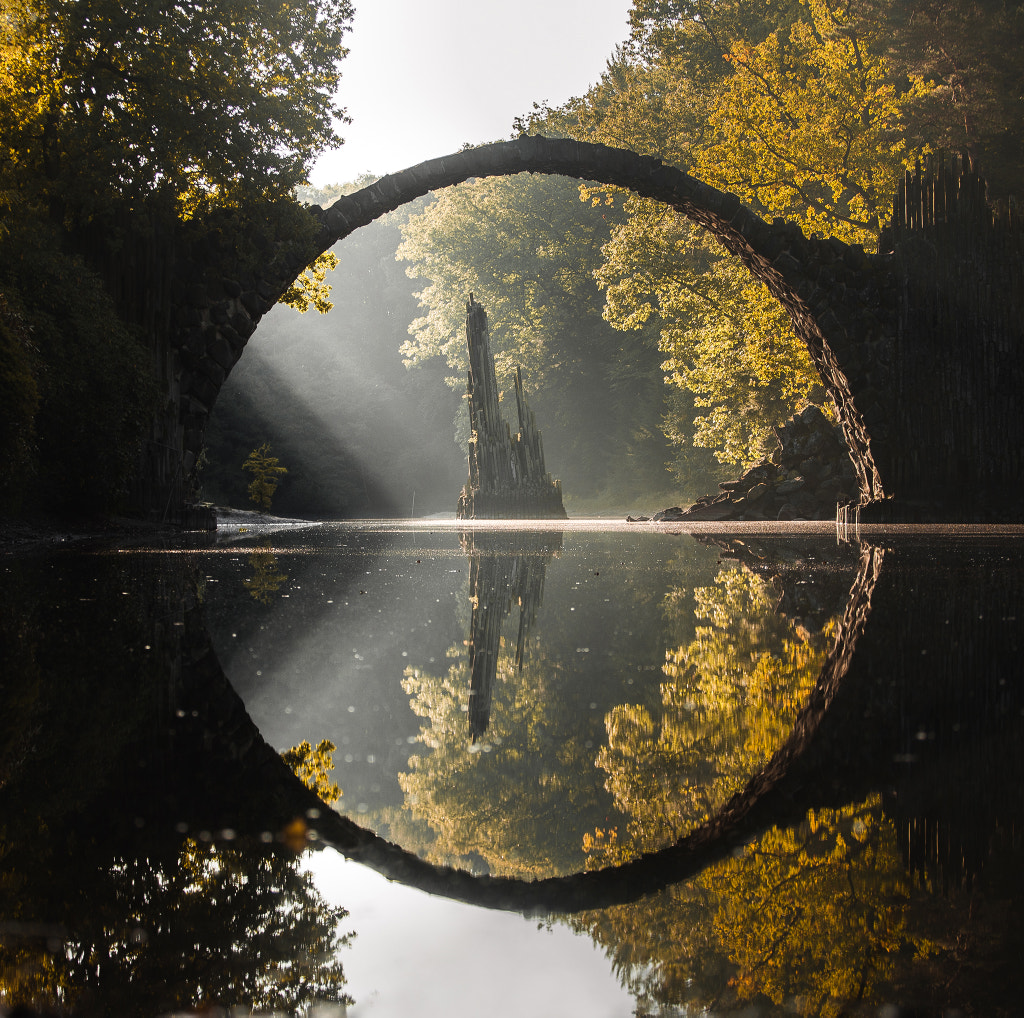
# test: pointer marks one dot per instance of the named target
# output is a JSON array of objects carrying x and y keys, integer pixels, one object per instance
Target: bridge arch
[{"x": 836, "y": 295}]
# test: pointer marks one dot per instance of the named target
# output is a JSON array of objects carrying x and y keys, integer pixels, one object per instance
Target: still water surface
[{"x": 755, "y": 770}]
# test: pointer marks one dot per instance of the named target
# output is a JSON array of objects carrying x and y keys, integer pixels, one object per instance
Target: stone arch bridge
[{"x": 919, "y": 345}]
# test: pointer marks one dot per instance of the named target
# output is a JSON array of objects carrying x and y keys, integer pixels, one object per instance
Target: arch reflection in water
[{"x": 875, "y": 848}]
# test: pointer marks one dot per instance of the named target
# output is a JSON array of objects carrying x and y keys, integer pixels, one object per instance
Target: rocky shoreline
[{"x": 806, "y": 478}]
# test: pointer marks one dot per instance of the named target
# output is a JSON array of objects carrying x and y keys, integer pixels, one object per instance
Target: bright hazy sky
[{"x": 423, "y": 77}]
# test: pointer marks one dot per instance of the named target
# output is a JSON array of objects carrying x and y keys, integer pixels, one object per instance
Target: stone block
[
  {"x": 221, "y": 352},
  {"x": 711, "y": 512},
  {"x": 204, "y": 391},
  {"x": 255, "y": 304},
  {"x": 242, "y": 324},
  {"x": 214, "y": 372},
  {"x": 220, "y": 311},
  {"x": 792, "y": 271}
]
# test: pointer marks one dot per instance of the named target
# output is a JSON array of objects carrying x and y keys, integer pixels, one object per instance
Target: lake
[{"x": 583, "y": 767}]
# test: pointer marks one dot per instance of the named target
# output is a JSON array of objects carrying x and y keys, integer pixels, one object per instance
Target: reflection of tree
[
  {"x": 518, "y": 801},
  {"x": 266, "y": 579},
  {"x": 812, "y": 917},
  {"x": 513, "y": 794},
  {"x": 815, "y": 913},
  {"x": 87, "y": 924},
  {"x": 209, "y": 925},
  {"x": 727, "y": 703}
]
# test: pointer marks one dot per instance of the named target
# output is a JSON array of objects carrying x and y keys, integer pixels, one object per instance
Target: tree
[
  {"x": 121, "y": 120},
  {"x": 77, "y": 381},
  {"x": 700, "y": 31},
  {"x": 728, "y": 342},
  {"x": 19, "y": 401},
  {"x": 266, "y": 473},
  {"x": 972, "y": 54},
  {"x": 812, "y": 124},
  {"x": 795, "y": 106},
  {"x": 145, "y": 103},
  {"x": 311, "y": 288}
]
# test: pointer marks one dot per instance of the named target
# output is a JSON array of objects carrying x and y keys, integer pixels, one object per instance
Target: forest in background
[{"x": 655, "y": 365}]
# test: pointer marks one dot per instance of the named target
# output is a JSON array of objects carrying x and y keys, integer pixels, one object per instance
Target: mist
[{"x": 360, "y": 434}]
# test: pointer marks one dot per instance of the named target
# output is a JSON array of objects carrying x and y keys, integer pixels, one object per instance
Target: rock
[
  {"x": 804, "y": 479},
  {"x": 710, "y": 512},
  {"x": 757, "y": 473},
  {"x": 789, "y": 486}
]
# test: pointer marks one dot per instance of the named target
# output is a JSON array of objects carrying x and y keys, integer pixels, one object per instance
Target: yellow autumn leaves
[{"x": 811, "y": 125}]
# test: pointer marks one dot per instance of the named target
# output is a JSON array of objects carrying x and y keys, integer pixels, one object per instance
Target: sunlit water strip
[{"x": 319, "y": 531}]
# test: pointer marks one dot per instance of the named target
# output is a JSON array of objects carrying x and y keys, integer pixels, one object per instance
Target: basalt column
[
  {"x": 950, "y": 428},
  {"x": 507, "y": 477}
]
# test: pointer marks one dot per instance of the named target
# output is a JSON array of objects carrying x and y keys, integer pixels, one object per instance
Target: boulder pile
[{"x": 807, "y": 476}]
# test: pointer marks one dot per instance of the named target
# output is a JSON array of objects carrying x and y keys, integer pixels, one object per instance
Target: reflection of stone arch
[
  {"x": 834, "y": 293},
  {"x": 249, "y": 786}
]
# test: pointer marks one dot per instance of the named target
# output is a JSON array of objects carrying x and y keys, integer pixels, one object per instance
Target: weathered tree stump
[{"x": 507, "y": 476}]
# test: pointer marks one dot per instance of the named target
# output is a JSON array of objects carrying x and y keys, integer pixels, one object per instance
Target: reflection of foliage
[
  {"x": 812, "y": 917},
  {"x": 728, "y": 702},
  {"x": 519, "y": 800},
  {"x": 220, "y": 926},
  {"x": 815, "y": 912},
  {"x": 313, "y": 767},
  {"x": 266, "y": 579}
]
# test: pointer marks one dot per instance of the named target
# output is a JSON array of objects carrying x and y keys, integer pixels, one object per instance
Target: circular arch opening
[{"x": 795, "y": 270}]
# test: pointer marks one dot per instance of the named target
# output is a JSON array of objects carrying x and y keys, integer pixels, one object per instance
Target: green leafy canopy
[{"x": 139, "y": 99}]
